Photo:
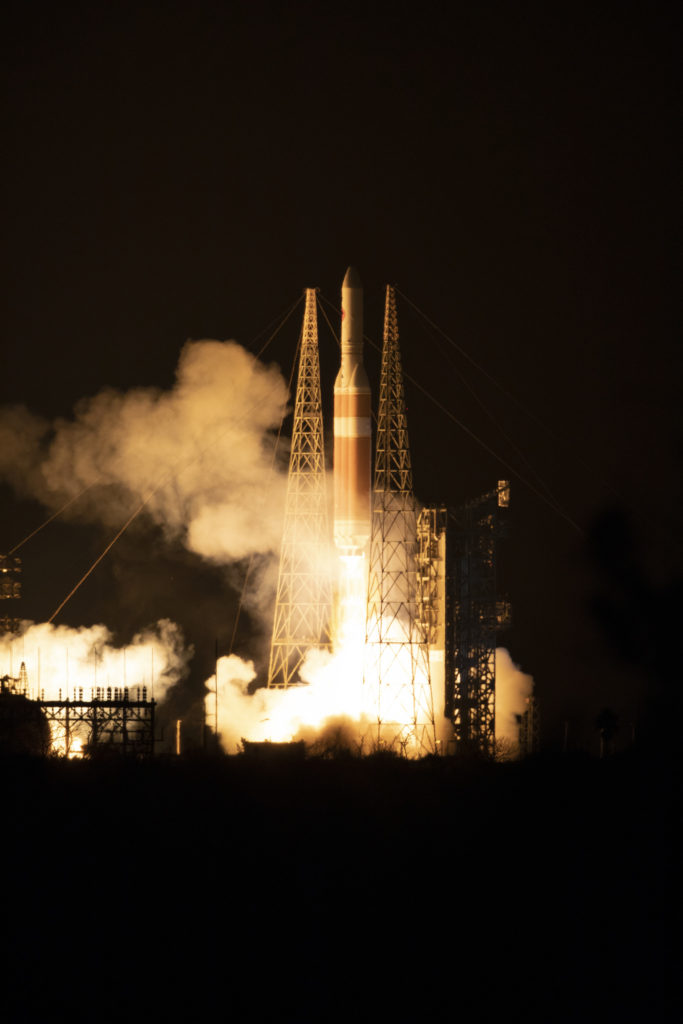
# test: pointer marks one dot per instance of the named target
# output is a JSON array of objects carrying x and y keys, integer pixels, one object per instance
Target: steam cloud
[
  {"x": 203, "y": 448},
  {"x": 200, "y": 455},
  {"x": 61, "y": 658},
  {"x": 325, "y": 710},
  {"x": 513, "y": 687}
]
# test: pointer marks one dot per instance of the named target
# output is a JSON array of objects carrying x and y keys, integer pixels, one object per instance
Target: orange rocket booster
[{"x": 352, "y": 435}]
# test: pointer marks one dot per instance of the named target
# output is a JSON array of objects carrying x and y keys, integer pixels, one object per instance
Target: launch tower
[
  {"x": 475, "y": 615},
  {"x": 10, "y": 592},
  {"x": 304, "y": 599},
  {"x": 529, "y": 728},
  {"x": 397, "y": 683},
  {"x": 114, "y": 720}
]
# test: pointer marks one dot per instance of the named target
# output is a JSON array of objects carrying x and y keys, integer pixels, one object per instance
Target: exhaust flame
[
  {"x": 343, "y": 700},
  {"x": 76, "y": 751},
  {"x": 331, "y": 693},
  {"x": 277, "y": 715},
  {"x": 202, "y": 453},
  {"x": 337, "y": 705}
]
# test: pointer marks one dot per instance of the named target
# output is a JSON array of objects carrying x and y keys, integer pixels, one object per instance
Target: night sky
[{"x": 183, "y": 171}]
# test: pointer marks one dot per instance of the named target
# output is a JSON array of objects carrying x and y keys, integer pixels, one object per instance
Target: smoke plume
[
  {"x": 61, "y": 659},
  {"x": 200, "y": 455},
  {"x": 513, "y": 687},
  {"x": 326, "y": 707}
]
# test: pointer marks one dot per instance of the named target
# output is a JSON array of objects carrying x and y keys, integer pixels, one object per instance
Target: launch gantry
[
  {"x": 113, "y": 720},
  {"x": 10, "y": 593},
  {"x": 475, "y": 616},
  {"x": 397, "y": 673},
  {"x": 529, "y": 728},
  {"x": 303, "y": 601},
  {"x": 431, "y": 609}
]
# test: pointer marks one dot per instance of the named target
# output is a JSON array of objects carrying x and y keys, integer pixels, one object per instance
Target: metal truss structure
[
  {"x": 397, "y": 681},
  {"x": 10, "y": 592},
  {"x": 110, "y": 722},
  {"x": 18, "y": 685},
  {"x": 474, "y": 617},
  {"x": 303, "y": 601},
  {"x": 529, "y": 728},
  {"x": 431, "y": 528}
]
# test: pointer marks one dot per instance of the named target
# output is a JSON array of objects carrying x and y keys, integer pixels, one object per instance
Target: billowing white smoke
[
  {"x": 327, "y": 706},
  {"x": 63, "y": 660},
  {"x": 83, "y": 664},
  {"x": 513, "y": 688},
  {"x": 238, "y": 712},
  {"x": 200, "y": 453}
]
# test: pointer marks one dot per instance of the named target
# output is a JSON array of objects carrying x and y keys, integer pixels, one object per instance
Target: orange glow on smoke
[{"x": 337, "y": 691}]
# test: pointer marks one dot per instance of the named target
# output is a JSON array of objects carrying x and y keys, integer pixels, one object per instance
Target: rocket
[{"x": 352, "y": 435}]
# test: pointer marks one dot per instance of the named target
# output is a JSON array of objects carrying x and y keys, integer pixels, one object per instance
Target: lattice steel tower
[
  {"x": 475, "y": 617},
  {"x": 396, "y": 678},
  {"x": 304, "y": 592},
  {"x": 10, "y": 592}
]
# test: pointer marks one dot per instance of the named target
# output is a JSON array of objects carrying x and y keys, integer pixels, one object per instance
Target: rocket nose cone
[{"x": 351, "y": 280}]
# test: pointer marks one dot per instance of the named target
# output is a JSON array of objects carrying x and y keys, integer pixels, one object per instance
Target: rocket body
[{"x": 352, "y": 433}]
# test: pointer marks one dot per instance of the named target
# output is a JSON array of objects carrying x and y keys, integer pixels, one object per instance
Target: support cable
[
  {"x": 327, "y": 321},
  {"x": 168, "y": 476},
  {"x": 49, "y": 520},
  {"x": 173, "y": 472},
  {"x": 108, "y": 548},
  {"x": 501, "y": 429},
  {"x": 282, "y": 318},
  {"x": 544, "y": 497},
  {"x": 272, "y": 467},
  {"x": 277, "y": 330},
  {"x": 523, "y": 479},
  {"x": 508, "y": 394},
  {"x": 594, "y": 470}
]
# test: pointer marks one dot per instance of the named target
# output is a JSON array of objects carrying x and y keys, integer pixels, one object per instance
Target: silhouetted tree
[
  {"x": 23, "y": 727},
  {"x": 640, "y": 618},
  {"x": 606, "y": 724}
]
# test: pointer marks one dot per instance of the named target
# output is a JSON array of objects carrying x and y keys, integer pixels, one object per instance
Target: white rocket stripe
[{"x": 352, "y": 426}]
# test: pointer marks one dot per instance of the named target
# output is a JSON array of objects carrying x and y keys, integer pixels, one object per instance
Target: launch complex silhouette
[{"x": 386, "y": 611}]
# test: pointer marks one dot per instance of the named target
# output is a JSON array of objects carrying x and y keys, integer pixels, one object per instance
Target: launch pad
[{"x": 411, "y": 611}]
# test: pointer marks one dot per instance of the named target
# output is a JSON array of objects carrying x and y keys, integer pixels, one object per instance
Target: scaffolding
[
  {"x": 431, "y": 607},
  {"x": 110, "y": 722},
  {"x": 303, "y": 600},
  {"x": 397, "y": 681},
  {"x": 474, "y": 617},
  {"x": 529, "y": 731},
  {"x": 114, "y": 719},
  {"x": 17, "y": 685},
  {"x": 431, "y": 532},
  {"x": 10, "y": 593}
]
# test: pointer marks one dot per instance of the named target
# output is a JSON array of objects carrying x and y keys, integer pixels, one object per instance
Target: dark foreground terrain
[{"x": 339, "y": 890}]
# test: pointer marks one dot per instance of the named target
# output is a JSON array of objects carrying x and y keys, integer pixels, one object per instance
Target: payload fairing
[{"x": 352, "y": 429}]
